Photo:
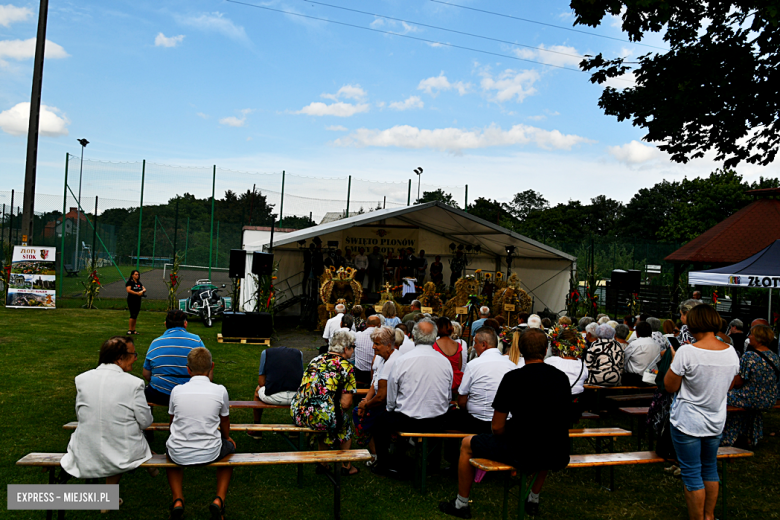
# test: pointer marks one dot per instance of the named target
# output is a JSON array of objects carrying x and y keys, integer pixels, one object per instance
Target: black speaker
[
  {"x": 237, "y": 267},
  {"x": 247, "y": 325},
  {"x": 626, "y": 280},
  {"x": 262, "y": 263}
]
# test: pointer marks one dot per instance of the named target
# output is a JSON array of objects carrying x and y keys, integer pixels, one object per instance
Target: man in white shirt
[
  {"x": 364, "y": 351},
  {"x": 361, "y": 264},
  {"x": 334, "y": 324},
  {"x": 407, "y": 344},
  {"x": 481, "y": 378},
  {"x": 418, "y": 393},
  {"x": 640, "y": 354},
  {"x": 197, "y": 409}
]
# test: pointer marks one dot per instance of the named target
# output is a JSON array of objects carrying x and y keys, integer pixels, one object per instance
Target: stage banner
[
  {"x": 734, "y": 280},
  {"x": 32, "y": 281},
  {"x": 388, "y": 239}
]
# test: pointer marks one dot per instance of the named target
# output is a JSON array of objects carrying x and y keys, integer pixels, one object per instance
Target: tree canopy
[
  {"x": 716, "y": 88},
  {"x": 438, "y": 194}
]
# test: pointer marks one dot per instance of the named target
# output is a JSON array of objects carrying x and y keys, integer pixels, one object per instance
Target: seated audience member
[
  {"x": 604, "y": 358},
  {"x": 457, "y": 333},
  {"x": 761, "y": 321},
  {"x": 612, "y": 323},
  {"x": 452, "y": 350},
  {"x": 590, "y": 333},
  {"x": 513, "y": 353},
  {"x": 685, "y": 337},
  {"x": 568, "y": 351},
  {"x": 414, "y": 311},
  {"x": 584, "y": 321},
  {"x": 536, "y": 394},
  {"x": 165, "y": 365},
  {"x": 390, "y": 314},
  {"x": 481, "y": 378},
  {"x": 658, "y": 335},
  {"x": 724, "y": 327},
  {"x": 374, "y": 404},
  {"x": 357, "y": 315},
  {"x": 325, "y": 395},
  {"x": 364, "y": 351},
  {"x": 280, "y": 373},
  {"x": 484, "y": 314},
  {"x": 418, "y": 393},
  {"x": 200, "y": 431},
  {"x": 334, "y": 323},
  {"x": 737, "y": 335},
  {"x": 522, "y": 319},
  {"x": 756, "y": 389},
  {"x": 564, "y": 321},
  {"x": 406, "y": 343},
  {"x": 546, "y": 323},
  {"x": 621, "y": 337},
  {"x": 112, "y": 413},
  {"x": 640, "y": 354},
  {"x": 535, "y": 322},
  {"x": 604, "y": 319}
]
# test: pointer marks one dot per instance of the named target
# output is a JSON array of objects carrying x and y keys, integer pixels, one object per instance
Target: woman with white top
[
  {"x": 568, "y": 349},
  {"x": 702, "y": 374}
]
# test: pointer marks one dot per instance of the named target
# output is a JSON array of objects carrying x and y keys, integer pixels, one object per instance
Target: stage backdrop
[{"x": 32, "y": 280}]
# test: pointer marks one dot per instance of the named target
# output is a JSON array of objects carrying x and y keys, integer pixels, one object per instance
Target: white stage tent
[{"x": 434, "y": 227}]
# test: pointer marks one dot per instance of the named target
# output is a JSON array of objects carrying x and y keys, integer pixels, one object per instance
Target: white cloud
[
  {"x": 16, "y": 119},
  {"x": 339, "y": 109},
  {"x": 537, "y": 118},
  {"x": 25, "y": 49},
  {"x": 10, "y": 14},
  {"x": 634, "y": 153},
  {"x": 167, "y": 41},
  {"x": 617, "y": 21},
  {"x": 558, "y": 55},
  {"x": 410, "y": 102},
  {"x": 202, "y": 115},
  {"x": 625, "y": 81},
  {"x": 509, "y": 84},
  {"x": 347, "y": 92},
  {"x": 236, "y": 121},
  {"x": 336, "y": 128},
  {"x": 436, "y": 84},
  {"x": 456, "y": 140},
  {"x": 215, "y": 22},
  {"x": 384, "y": 24}
]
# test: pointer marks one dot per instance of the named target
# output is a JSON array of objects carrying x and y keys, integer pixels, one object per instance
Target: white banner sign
[
  {"x": 32, "y": 280},
  {"x": 733, "y": 280},
  {"x": 387, "y": 239}
]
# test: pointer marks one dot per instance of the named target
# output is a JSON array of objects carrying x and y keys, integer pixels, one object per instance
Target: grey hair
[
  {"x": 484, "y": 311},
  {"x": 604, "y": 331},
  {"x": 622, "y": 331},
  {"x": 612, "y": 323},
  {"x": 416, "y": 303},
  {"x": 584, "y": 322},
  {"x": 654, "y": 323},
  {"x": 687, "y": 305},
  {"x": 421, "y": 338},
  {"x": 341, "y": 340},
  {"x": 488, "y": 335},
  {"x": 399, "y": 337},
  {"x": 456, "y": 330},
  {"x": 381, "y": 319},
  {"x": 384, "y": 335},
  {"x": 340, "y": 308},
  {"x": 591, "y": 327},
  {"x": 737, "y": 323},
  {"x": 603, "y": 320}
]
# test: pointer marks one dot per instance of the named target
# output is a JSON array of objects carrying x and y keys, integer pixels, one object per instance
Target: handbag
[
  {"x": 651, "y": 372},
  {"x": 665, "y": 447}
]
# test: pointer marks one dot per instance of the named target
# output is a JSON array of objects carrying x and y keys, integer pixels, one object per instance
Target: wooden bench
[
  {"x": 422, "y": 451},
  {"x": 596, "y": 460},
  {"x": 641, "y": 412},
  {"x": 69, "y": 271},
  {"x": 599, "y": 390},
  {"x": 336, "y": 457},
  {"x": 260, "y": 404},
  {"x": 630, "y": 397}
]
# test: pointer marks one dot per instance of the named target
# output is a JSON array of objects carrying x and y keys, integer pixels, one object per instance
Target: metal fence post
[
  {"x": 186, "y": 240},
  {"x": 176, "y": 227},
  {"x": 466, "y": 202},
  {"x": 211, "y": 234},
  {"x": 62, "y": 224},
  {"x": 140, "y": 216},
  {"x": 281, "y": 202},
  {"x": 409, "y": 194},
  {"x": 216, "y": 260},
  {"x": 154, "y": 242},
  {"x": 349, "y": 189},
  {"x": 94, "y": 232}
]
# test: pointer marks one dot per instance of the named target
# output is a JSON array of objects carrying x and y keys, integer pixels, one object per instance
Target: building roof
[
  {"x": 743, "y": 234},
  {"x": 332, "y": 216},
  {"x": 436, "y": 217}
]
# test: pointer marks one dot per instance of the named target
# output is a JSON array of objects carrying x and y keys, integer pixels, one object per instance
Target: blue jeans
[{"x": 698, "y": 458}]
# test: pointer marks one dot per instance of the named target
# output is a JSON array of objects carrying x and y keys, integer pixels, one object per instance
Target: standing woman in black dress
[{"x": 135, "y": 291}]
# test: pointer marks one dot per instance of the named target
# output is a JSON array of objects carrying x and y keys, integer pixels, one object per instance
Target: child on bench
[{"x": 197, "y": 409}]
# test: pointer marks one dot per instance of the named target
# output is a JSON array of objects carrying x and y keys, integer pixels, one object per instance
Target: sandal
[
  {"x": 133, "y": 333},
  {"x": 177, "y": 512},
  {"x": 347, "y": 472},
  {"x": 217, "y": 511}
]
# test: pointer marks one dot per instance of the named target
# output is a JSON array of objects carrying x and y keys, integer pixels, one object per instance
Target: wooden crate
[{"x": 247, "y": 341}]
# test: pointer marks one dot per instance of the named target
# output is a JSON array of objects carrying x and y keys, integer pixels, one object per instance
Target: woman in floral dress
[
  {"x": 755, "y": 389},
  {"x": 325, "y": 394}
]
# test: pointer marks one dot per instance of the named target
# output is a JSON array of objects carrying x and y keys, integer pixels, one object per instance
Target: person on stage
[
  {"x": 457, "y": 266},
  {"x": 135, "y": 291},
  {"x": 422, "y": 266},
  {"x": 376, "y": 264},
  {"x": 361, "y": 264},
  {"x": 437, "y": 269}
]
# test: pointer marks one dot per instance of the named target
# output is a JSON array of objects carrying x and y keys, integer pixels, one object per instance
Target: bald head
[
  {"x": 373, "y": 321},
  {"x": 424, "y": 332}
]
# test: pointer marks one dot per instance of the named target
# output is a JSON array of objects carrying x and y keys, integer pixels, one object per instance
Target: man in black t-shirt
[
  {"x": 536, "y": 439},
  {"x": 281, "y": 370}
]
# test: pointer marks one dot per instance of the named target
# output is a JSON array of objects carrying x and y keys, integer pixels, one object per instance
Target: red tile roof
[{"x": 743, "y": 234}]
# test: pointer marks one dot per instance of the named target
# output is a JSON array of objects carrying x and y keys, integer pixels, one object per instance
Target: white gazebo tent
[{"x": 544, "y": 272}]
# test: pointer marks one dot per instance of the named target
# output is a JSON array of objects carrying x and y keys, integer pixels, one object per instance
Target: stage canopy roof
[{"x": 760, "y": 270}]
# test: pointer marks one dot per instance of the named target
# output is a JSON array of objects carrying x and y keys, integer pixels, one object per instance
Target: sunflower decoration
[
  {"x": 332, "y": 269},
  {"x": 572, "y": 346},
  {"x": 488, "y": 275},
  {"x": 499, "y": 275}
]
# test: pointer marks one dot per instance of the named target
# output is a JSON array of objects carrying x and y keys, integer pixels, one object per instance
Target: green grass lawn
[{"x": 41, "y": 351}]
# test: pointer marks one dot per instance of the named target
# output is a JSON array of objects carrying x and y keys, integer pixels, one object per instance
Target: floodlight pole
[
  {"x": 31, "y": 166},
  {"x": 76, "y": 258}
]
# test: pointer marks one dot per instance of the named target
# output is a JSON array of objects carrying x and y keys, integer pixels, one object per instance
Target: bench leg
[
  {"x": 51, "y": 481},
  {"x": 521, "y": 494},
  {"x": 301, "y": 444},
  {"x": 598, "y": 468},
  {"x": 424, "y": 471},
  {"x": 612, "y": 468},
  {"x": 337, "y": 490},
  {"x": 507, "y": 486}
]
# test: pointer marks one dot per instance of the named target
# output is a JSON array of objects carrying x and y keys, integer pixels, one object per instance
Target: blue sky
[{"x": 212, "y": 82}]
